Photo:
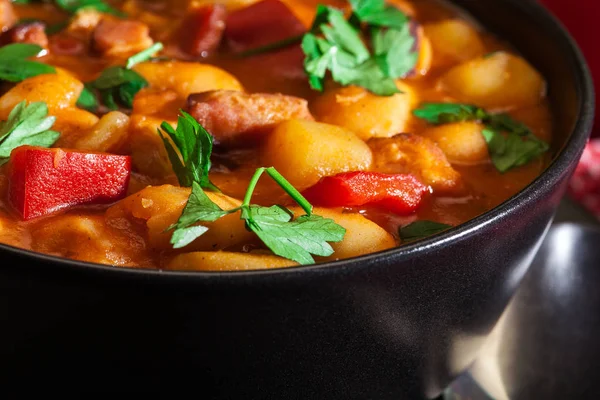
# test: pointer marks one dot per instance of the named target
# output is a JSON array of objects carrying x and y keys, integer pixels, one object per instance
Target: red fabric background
[{"x": 582, "y": 18}]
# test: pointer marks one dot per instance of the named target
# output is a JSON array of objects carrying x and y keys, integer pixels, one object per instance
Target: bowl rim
[{"x": 570, "y": 151}]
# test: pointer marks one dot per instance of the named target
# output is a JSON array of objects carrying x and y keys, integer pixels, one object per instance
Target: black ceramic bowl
[{"x": 394, "y": 325}]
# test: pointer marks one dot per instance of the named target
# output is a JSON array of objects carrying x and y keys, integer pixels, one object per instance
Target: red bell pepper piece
[
  {"x": 43, "y": 181},
  {"x": 262, "y": 23},
  {"x": 202, "y": 29},
  {"x": 398, "y": 193}
]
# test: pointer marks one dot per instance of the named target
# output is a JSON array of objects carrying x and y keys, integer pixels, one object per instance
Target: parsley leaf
[
  {"x": 189, "y": 148},
  {"x": 14, "y": 66},
  {"x": 512, "y": 150},
  {"x": 26, "y": 125},
  {"x": 377, "y": 13},
  {"x": 296, "y": 239},
  {"x": 73, "y": 6},
  {"x": 198, "y": 208},
  {"x": 421, "y": 229},
  {"x": 117, "y": 85},
  {"x": 443, "y": 113},
  {"x": 393, "y": 51},
  {"x": 510, "y": 143}
]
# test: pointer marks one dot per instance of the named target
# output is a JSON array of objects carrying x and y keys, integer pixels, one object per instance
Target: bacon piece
[
  {"x": 235, "y": 118},
  {"x": 7, "y": 15},
  {"x": 116, "y": 37},
  {"x": 202, "y": 29},
  {"x": 29, "y": 32},
  {"x": 262, "y": 23},
  {"x": 413, "y": 154}
]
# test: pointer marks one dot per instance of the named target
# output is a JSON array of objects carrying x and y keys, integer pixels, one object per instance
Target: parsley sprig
[
  {"x": 510, "y": 143},
  {"x": 117, "y": 85},
  {"x": 336, "y": 45},
  {"x": 26, "y": 125},
  {"x": 189, "y": 148},
  {"x": 341, "y": 47},
  {"x": 15, "y": 65}
]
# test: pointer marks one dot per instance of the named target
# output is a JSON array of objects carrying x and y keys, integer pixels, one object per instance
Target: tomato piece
[
  {"x": 43, "y": 181},
  {"x": 262, "y": 23},
  {"x": 202, "y": 29},
  {"x": 399, "y": 193}
]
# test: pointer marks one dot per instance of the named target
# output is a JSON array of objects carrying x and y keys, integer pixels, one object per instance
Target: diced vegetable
[
  {"x": 148, "y": 153},
  {"x": 453, "y": 41},
  {"x": 408, "y": 153},
  {"x": 72, "y": 123},
  {"x": 364, "y": 113},
  {"x": 238, "y": 118},
  {"x": 399, "y": 193},
  {"x": 186, "y": 78},
  {"x": 59, "y": 90},
  {"x": 87, "y": 237},
  {"x": 107, "y": 135},
  {"x": 500, "y": 80},
  {"x": 201, "y": 30},
  {"x": 43, "y": 181},
  {"x": 305, "y": 151},
  {"x": 227, "y": 261},
  {"x": 262, "y": 23},
  {"x": 461, "y": 142}
]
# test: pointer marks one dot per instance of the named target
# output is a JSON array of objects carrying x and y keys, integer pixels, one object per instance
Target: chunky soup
[{"x": 242, "y": 134}]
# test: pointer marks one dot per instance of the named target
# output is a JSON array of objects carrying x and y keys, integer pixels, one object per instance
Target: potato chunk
[
  {"x": 235, "y": 117},
  {"x": 498, "y": 81},
  {"x": 227, "y": 261},
  {"x": 364, "y": 113},
  {"x": 461, "y": 142},
  {"x": 363, "y": 236},
  {"x": 453, "y": 41},
  {"x": 306, "y": 151},
  {"x": 72, "y": 123},
  {"x": 148, "y": 154},
  {"x": 186, "y": 78},
  {"x": 158, "y": 207},
  {"x": 412, "y": 154},
  {"x": 59, "y": 90},
  {"x": 87, "y": 238},
  {"x": 107, "y": 135}
]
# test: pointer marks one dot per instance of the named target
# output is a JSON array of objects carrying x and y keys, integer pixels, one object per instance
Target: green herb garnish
[
  {"x": 189, "y": 148},
  {"x": 73, "y": 6},
  {"x": 26, "y": 125},
  {"x": 510, "y": 143},
  {"x": 14, "y": 63},
  {"x": 117, "y": 85},
  {"x": 421, "y": 229},
  {"x": 336, "y": 45}
]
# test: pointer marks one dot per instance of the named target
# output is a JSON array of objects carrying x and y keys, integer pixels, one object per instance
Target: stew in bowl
[{"x": 239, "y": 135}]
